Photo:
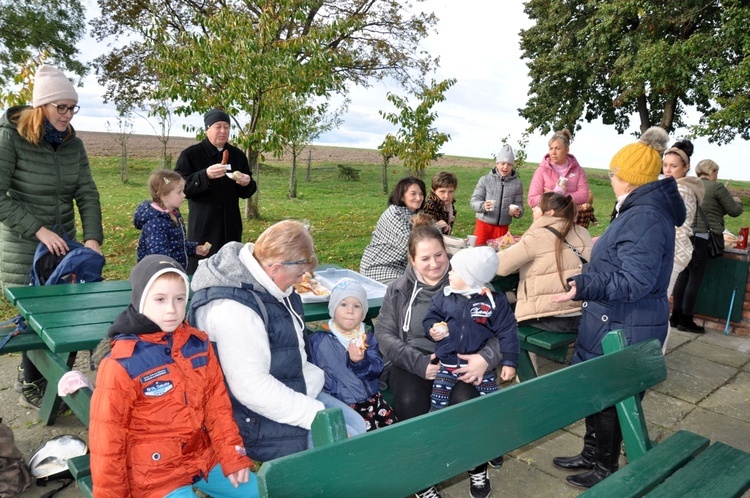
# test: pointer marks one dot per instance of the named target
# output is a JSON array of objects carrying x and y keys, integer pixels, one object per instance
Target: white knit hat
[
  {"x": 51, "y": 85},
  {"x": 505, "y": 155},
  {"x": 346, "y": 287},
  {"x": 475, "y": 265}
]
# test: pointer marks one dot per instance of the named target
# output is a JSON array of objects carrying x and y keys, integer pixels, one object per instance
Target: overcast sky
[{"x": 478, "y": 44}]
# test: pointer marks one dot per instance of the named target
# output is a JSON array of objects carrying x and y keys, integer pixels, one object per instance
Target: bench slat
[
  {"x": 641, "y": 476},
  {"x": 80, "y": 466},
  {"x": 721, "y": 470},
  {"x": 23, "y": 342},
  {"x": 429, "y": 453},
  {"x": 55, "y": 367}
]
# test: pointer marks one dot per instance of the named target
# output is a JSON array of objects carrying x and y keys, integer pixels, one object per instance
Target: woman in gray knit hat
[{"x": 44, "y": 172}]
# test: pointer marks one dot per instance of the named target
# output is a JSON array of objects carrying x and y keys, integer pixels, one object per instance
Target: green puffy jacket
[{"x": 38, "y": 186}]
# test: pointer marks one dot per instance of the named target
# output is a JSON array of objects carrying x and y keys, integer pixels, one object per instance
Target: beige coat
[{"x": 533, "y": 256}]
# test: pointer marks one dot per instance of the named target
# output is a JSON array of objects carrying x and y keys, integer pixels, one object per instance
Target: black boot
[
  {"x": 584, "y": 460},
  {"x": 687, "y": 324},
  {"x": 676, "y": 318},
  {"x": 608, "y": 443}
]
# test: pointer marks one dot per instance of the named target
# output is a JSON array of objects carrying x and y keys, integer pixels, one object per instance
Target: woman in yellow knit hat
[{"x": 624, "y": 287}]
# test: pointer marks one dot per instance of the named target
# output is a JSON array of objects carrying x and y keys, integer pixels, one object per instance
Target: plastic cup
[
  {"x": 512, "y": 209},
  {"x": 493, "y": 205},
  {"x": 471, "y": 240},
  {"x": 562, "y": 181}
]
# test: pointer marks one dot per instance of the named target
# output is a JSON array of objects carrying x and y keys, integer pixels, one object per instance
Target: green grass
[{"x": 343, "y": 213}]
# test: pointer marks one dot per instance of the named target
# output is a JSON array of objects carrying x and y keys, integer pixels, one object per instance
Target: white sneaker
[{"x": 430, "y": 492}]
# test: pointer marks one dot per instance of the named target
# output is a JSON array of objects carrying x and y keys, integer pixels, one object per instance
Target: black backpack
[{"x": 14, "y": 474}]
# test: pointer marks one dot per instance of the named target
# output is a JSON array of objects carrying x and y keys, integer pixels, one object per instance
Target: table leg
[
  {"x": 52, "y": 367},
  {"x": 525, "y": 369}
]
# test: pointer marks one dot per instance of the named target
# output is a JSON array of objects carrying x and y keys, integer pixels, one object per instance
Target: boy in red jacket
[{"x": 161, "y": 419}]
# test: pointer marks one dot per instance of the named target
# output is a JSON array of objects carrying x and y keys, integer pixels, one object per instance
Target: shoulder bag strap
[
  {"x": 703, "y": 217},
  {"x": 559, "y": 236}
]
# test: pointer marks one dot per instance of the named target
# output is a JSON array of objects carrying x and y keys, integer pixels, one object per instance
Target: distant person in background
[
  {"x": 44, "y": 176},
  {"x": 160, "y": 221},
  {"x": 494, "y": 195},
  {"x": 559, "y": 172},
  {"x": 440, "y": 202},
  {"x": 717, "y": 202},
  {"x": 676, "y": 164},
  {"x": 385, "y": 257},
  {"x": 213, "y": 197},
  {"x": 586, "y": 214}
]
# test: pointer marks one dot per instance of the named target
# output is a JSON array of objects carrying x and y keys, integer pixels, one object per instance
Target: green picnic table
[{"x": 73, "y": 318}]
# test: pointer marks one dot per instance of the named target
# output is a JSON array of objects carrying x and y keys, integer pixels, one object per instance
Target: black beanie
[
  {"x": 145, "y": 273},
  {"x": 215, "y": 115}
]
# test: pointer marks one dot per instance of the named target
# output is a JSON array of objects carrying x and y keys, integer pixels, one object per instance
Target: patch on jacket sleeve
[
  {"x": 148, "y": 378},
  {"x": 158, "y": 388},
  {"x": 480, "y": 312}
]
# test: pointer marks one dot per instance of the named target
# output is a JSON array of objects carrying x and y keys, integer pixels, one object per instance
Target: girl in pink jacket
[{"x": 559, "y": 172}]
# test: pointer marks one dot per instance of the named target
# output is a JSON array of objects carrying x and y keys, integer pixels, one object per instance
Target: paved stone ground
[{"x": 707, "y": 392}]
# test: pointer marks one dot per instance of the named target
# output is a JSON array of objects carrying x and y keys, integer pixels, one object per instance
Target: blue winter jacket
[
  {"x": 624, "y": 286},
  {"x": 472, "y": 321},
  {"x": 345, "y": 380}
]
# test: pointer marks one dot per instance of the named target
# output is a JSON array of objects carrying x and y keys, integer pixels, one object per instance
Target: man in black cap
[{"x": 213, "y": 189}]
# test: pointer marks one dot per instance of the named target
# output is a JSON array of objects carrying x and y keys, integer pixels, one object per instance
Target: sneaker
[
  {"x": 18, "y": 385},
  {"x": 32, "y": 393},
  {"x": 430, "y": 492},
  {"x": 496, "y": 463},
  {"x": 479, "y": 484}
]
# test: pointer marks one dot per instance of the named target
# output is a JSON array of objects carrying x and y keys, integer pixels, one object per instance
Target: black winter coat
[{"x": 214, "y": 214}]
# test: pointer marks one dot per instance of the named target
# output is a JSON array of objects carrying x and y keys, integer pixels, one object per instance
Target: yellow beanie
[{"x": 639, "y": 163}]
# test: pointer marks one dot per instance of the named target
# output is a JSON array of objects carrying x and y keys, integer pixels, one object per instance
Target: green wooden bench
[
  {"x": 420, "y": 452},
  {"x": 80, "y": 469},
  {"x": 552, "y": 345}
]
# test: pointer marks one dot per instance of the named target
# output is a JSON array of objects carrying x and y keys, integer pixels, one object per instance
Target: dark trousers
[
  {"x": 30, "y": 372},
  {"x": 688, "y": 283},
  {"x": 411, "y": 393}
]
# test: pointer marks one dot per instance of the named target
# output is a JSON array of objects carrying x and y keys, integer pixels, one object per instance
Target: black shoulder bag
[
  {"x": 715, "y": 242},
  {"x": 559, "y": 236}
]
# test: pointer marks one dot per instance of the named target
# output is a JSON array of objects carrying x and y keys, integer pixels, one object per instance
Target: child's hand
[
  {"x": 437, "y": 335},
  {"x": 239, "y": 477},
  {"x": 507, "y": 373},
  {"x": 443, "y": 226},
  {"x": 432, "y": 368},
  {"x": 202, "y": 250},
  {"x": 355, "y": 353}
]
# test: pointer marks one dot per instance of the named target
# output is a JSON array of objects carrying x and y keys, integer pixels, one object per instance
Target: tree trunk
[
  {"x": 384, "y": 176},
  {"x": 309, "y": 164},
  {"x": 252, "y": 209},
  {"x": 123, "y": 161},
  {"x": 668, "y": 116},
  {"x": 293, "y": 174},
  {"x": 643, "y": 112}
]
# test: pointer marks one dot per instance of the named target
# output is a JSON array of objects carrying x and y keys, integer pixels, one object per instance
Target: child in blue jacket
[
  {"x": 464, "y": 317},
  {"x": 349, "y": 355}
]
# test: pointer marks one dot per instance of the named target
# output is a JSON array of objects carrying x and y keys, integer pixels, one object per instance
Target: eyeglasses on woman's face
[{"x": 63, "y": 109}]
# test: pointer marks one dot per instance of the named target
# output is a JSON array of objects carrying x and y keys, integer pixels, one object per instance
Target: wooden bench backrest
[{"x": 417, "y": 453}]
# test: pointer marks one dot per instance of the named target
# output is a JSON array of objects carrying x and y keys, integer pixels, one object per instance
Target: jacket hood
[
  {"x": 224, "y": 269},
  {"x": 571, "y": 162},
  {"x": 695, "y": 185},
  {"x": 144, "y": 213},
  {"x": 661, "y": 195}
]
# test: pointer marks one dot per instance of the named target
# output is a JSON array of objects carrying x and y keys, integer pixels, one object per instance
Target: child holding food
[
  {"x": 349, "y": 355},
  {"x": 440, "y": 203},
  {"x": 497, "y": 198},
  {"x": 160, "y": 221},
  {"x": 466, "y": 315},
  {"x": 161, "y": 418}
]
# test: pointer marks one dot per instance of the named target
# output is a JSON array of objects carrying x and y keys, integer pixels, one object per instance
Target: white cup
[
  {"x": 512, "y": 209},
  {"x": 562, "y": 181},
  {"x": 471, "y": 240},
  {"x": 493, "y": 204}
]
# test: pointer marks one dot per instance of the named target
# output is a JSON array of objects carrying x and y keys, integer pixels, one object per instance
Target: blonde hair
[
  {"x": 562, "y": 135},
  {"x": 706, "y": 167},
  {"x": 30, "y": 124},
  {"x": 286, "y": 240}
]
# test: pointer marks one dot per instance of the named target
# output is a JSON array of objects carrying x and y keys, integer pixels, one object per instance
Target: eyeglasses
[
  {"x": 307, "y": 261},
  {"x": 612, "y": 174},
  {"x": 63, "y": 109}
]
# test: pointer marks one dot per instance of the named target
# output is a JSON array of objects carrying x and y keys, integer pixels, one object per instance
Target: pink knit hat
[{"x": 51, "y": 85}]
